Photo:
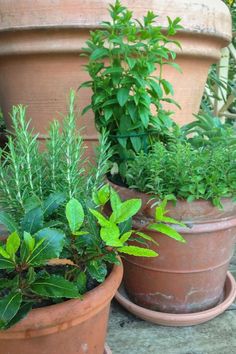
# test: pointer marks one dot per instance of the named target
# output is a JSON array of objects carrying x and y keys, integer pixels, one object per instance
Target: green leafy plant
[
  {"x": 126, "y": 65},
  {"x": 199, "y": 166}
]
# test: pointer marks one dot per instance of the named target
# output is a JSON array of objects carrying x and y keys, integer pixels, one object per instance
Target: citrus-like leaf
[
  {"x": 4, "y": 253},
  {"x": 54, "y": 286},
  {"x": 9, "y": 306},
  {"x": 168, "y": 231},
  {"x": 52, "y": 203},
  {"x": 29, "y": 241},
  {"x": 125, "y": 237},
  {"x": 126, "y": 210},
  {"x": 33, "y": 221},
  {"x": 100, "y": 218},
  {"x": 146, "y": 237},
  {"x": 74, "y": 214},
  {"x": 8, "y": 222},
  {"x": 110, "y": 235},
  {"x": 49, "y": 244},
  {"x": 13, "y": 244},
  {"x": 137, "y": 251}
]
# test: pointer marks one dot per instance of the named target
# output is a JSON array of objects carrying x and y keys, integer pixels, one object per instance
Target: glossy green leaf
[
  {"x": 8, "y": 222},
  {"x": 126, "y": 210},
  {"x": 13, "y": 244},
  {"x": 6, "y": 263},
  {"x": 4, "y": 253},
  {"x": 22, "y": 313},
  {"x": 97, "y": 270},
  {"x": 125, "y": 236},
  {"x": 146, "y": 237},
  {"x": 168, "y": 231},
  {"x": 74, "y": 214},
  {"x": 32, "y": 221},
  {"x": 110, "y": 235},
  {"x": 54, "y": 286},
  {"x": 100, "y": 218},
  {"x": 49, "y": 244},
  {"x": 137, "y": 251},
  {"x": 9, "y": 306},
  {"x": 122, "y": 96},
  {"x": 29, "y": 241},
  {"x": 52, "y": 203}
]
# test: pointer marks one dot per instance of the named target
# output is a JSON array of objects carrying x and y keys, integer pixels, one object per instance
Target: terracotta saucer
[
  {"x": 107, "y": 350},
  {"x": 179, "y": 320}
]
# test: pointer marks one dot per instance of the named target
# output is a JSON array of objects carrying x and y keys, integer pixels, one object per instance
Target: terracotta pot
[
  {"x": 71, "y": 327},
  {"x": 189, "y": 277},
  {"x": 40, "y": 44}
]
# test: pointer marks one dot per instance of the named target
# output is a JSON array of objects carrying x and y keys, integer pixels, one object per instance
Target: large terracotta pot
[
  {"x": 187, "y": 277},
  {"x": 71, "y": 327},
  {"x": 41, "y": 43}
]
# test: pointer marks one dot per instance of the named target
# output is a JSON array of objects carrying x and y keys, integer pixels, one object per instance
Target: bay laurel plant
[
  {"x": 199, "y": 163},
  {"x": 61, "y": 243},
  {"x": 126, "y": 60}
]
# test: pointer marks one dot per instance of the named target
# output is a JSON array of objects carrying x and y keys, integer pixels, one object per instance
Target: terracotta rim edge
[
  {"x": 107, "y": 349},
  {"x": 179, "y": 320}
]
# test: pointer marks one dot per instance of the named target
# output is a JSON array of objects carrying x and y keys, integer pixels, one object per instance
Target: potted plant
[
  {"x": 197, "y": 169},
  {"x": 40, "y": 43},
  {"x": 168, "y": 283},
  {"x": 61, "y": 245},
  {"x": 128, "y": 97}
]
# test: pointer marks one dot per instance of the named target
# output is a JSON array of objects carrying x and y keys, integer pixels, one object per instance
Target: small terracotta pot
[
  {"x": 189, "y": 277},
  {"x": 41, "y": 43},
  {"x": 71, "y": 327}
]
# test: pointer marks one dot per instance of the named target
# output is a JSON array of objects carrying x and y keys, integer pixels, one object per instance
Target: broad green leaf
[
  {"x": 81, "y": 283},
  {"x": 22, "y": 313},
  {"x": 100, "y": 218},
  {"x": 169, "y": 220},
  {"x": 146, "y": 237},
  {"x": 102, "y": 196},
  {"x": 97, "y": 270},
  {"x": 4, "y": 253},
  {"x": 168, "y": 231},
  {"x": 54, "y": 286},
  {"x": 125, "y": 237},
  {"x": 6, "y": 263},
  {"x": 126, "y": 210},
  {"x": 9, "y": 306},
  {"x": 122, "y": 96},
  {"x": 32, "y": 221},
  {"x": 114, "y": 199},
  {"x": 136, "y": 143},
  {"x": 144, "y": 115},
  {"x": 29, "y": 241},
  {"x": 13, "y": 244},
  {"x": 32, "y": 203},
  {"x": 49, "y": 244},
  {"x": 110, "y": 235},
  {"x": 74, "y": 214},
  {"x": 156, "y": 88},
  {"x": 137, "y": 251},
  {"x": 112, "y": 258},
  {"x": 8, "y": 222},
  {"x": 52, "y": 203}
]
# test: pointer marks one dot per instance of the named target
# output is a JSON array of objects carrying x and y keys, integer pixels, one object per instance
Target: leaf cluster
[
  {"x": 199, "y": 165},
  {"x": 126, "y": 61}
]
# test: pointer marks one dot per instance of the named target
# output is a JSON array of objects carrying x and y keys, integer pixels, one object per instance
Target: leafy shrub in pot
[{"x": 61, "y": 245}]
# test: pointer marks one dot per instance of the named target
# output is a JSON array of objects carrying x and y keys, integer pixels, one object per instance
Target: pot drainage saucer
[
  {"x": 179, "y": 320},
  {"x": 107, "y": 350}
]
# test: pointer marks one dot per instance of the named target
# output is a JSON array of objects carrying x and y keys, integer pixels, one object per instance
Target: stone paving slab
[{"x": 130, "y": 335}]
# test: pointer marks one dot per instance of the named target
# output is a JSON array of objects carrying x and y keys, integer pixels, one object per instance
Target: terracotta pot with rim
[
  {"x": 185, "y": 278},
  {"x": 41, "y": 43},
  {"x": 70, "y": 327}
]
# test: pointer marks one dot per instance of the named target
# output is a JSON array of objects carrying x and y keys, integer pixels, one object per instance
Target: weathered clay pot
[
  {"x": 41, "y": 43},
  {"x": 189, "y": 277},
  {"x": 71, "y": 327}
]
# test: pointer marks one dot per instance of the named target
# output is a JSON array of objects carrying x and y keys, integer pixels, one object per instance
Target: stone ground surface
[{"x": 130, "y": 335}]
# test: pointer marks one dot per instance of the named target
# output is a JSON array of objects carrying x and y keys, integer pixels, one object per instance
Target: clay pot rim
[
  {"x": 179, "y": 320},
  {"x": 58, "y": 317}
]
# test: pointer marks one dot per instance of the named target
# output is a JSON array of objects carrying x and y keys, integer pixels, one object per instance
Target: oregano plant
[{"x": 126, "y": 65}]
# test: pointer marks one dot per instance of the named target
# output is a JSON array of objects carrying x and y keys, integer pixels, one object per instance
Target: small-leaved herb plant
[
  {"x": 200, "y": 163},
  {"x": 61, "y": 242},
  {"x": 126, "y": 65}
]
